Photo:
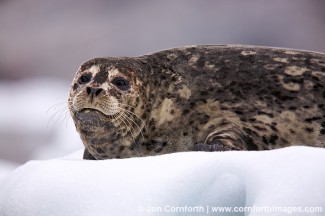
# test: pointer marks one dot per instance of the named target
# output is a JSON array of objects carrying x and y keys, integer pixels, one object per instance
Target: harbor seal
[{"x": 199, "y": 98}]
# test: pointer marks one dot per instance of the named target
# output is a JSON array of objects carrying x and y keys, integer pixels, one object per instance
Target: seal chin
[{"x": 92, "y": 117}]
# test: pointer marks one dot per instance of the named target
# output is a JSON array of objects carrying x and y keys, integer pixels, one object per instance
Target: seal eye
[
  {"x": 121, "y": 83},
  {"x": 84, "y": 79}
]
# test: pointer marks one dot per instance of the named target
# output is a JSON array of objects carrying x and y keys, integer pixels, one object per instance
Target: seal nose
[{"x": 93, "y": 91}]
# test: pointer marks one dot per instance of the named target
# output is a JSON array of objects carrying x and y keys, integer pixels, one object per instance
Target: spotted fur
[{"x": 204, "y": 98}]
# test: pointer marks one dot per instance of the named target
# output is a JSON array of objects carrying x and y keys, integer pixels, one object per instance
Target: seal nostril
[
  {"x": 89, "y": 90},
  {"x": 93, "y": 91},
  {"x": 98, "y": 91}
]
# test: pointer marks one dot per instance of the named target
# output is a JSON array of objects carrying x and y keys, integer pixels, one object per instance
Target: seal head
[{"x": 102, "y": 103}]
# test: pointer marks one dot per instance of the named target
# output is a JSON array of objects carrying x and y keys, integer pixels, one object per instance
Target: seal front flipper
[
  {"x": 226, "y": 140},
  {"x": 88, "y": 156}
]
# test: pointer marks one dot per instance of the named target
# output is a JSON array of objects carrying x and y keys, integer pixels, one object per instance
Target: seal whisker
[
  {"x": 122, "y": 118},
  {"x": 132, "y": 113},
  {"x": 138, "y": 147},
  {"x": 61, "y": 112},
  {"x": 55, "y": 106},
  {"x": 117, "y": 129},
  {"x": 131, "y": 128},
  {"x": 132, "y": 119}
]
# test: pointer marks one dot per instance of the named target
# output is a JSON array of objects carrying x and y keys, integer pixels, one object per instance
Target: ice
[{"x": 158, "y": 185}]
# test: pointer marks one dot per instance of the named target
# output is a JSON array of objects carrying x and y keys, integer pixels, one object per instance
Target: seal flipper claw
[{"x": 217, "y": 146}]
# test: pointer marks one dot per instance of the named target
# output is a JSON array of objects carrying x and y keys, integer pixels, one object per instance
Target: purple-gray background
[{"x": 45, "y": 37}]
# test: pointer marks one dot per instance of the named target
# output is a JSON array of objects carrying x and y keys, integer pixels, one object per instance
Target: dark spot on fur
[
  {"x": 284, "y": 141},
  {"x": 204, "y": 92},
  {"x": 159, "y": 146},
  {"x": 200, "y": 62},
  {"x": 101, "y": 77},
  {"x": 315, "y": 78},
  {"x": 273, "y": 139},
  {"x": 292, "y": 108},
  {"x": 259, "y": 128},
  {"x": 185, "y": 134},
  {"x": 132, "y": 147},
  {"x": 172, "y": 112},
  {"x": 273, "y": 127},
  {"x": 100, "y": 151},
  {"x": 204, "y": 119},
  {"x": 192, "y": 105},
  {"x": 292, "y": 79},
  {"x": 309, "y": 130},
  {"x": 243, "y": 119},
  {"x": 322, "y": 131},
  {"x": 309, "y": 120},
  {"x": 249, "y": 131},
  {"x": 265, "y": 113},
  {"x": 317, "y": 87},
  {"x": 265, "y": 140},
  {"x": 281, "y": 96},
  {"x": 203, "y": 100},
  {"x": 75, "y": 86},
  {"x": 144, "y": 116},
  {"x": 185, "y": 111},
  {"x": 239, "y": 112},
  {"x": 121, "y": 148},
  {"x": 292, "y": 131},
  {"x": 150, "y": 145},
  {"x": 152, "y": 122}
]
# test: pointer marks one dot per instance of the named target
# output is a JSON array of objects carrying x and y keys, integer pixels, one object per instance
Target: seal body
[{"x": 203, "y": 98}]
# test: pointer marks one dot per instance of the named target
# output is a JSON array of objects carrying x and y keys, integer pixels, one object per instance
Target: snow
[{"x": 199, "y": 182}]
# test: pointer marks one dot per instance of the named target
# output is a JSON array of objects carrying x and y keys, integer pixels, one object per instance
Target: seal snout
[{"x": 93, "y": 92}]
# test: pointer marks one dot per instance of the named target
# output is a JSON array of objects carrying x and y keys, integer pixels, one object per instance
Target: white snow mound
[{"x": 277, "y": 182}]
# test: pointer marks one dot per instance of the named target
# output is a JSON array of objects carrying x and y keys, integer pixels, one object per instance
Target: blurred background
[{"x": 43, "y": 42}]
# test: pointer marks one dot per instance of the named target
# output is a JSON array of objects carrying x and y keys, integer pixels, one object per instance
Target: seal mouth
[{"x": 88, "y": 110}]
